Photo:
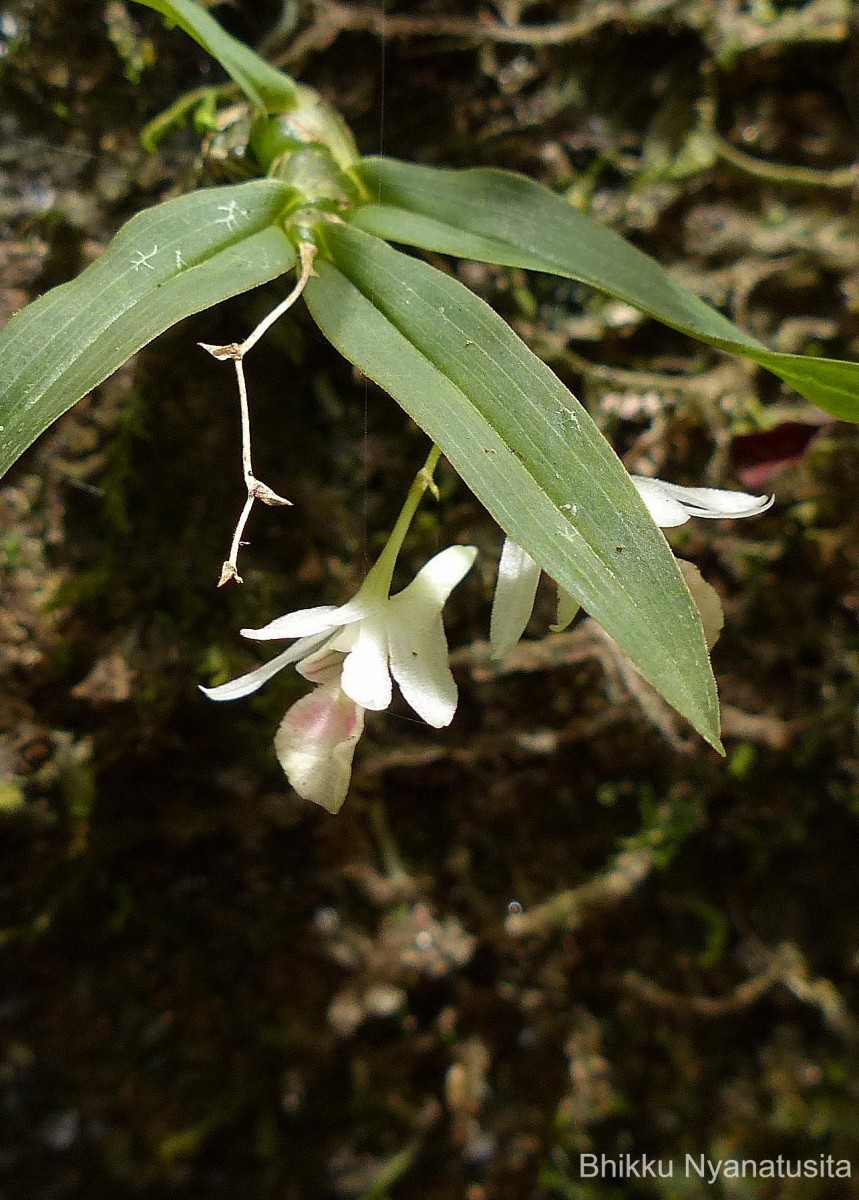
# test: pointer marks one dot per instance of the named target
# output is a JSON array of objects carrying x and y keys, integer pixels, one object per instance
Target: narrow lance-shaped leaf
[
  {"x": 266, "y": 87},
  {"x": 500, "y": 217},
  {"x": 298, "y": 112},
  {"x": 166, "y": 263},
  {"x": 526, "y": 447}
]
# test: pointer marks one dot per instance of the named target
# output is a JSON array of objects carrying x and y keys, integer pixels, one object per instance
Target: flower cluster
[{"x": 353, "y": 653}]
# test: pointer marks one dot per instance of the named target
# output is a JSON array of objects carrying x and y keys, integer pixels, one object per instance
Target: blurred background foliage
[{"x": 562, "y": 925}]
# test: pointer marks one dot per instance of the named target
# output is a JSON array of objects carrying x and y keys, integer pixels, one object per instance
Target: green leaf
[
  {"x": 525, "y": 446},
  {"x": 266, "y": 87},
  {"x": 500, "y": 217},
  {"x": 166, "y": 263}
]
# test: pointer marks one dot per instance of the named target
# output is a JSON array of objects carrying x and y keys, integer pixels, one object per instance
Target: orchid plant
[{"x": 515, "y": 434}]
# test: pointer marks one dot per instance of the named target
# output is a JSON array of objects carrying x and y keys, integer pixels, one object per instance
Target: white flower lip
[{"x": 316, "y": 742}]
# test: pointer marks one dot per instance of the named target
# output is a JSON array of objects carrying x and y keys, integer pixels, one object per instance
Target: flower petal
[
  {"x": 438, "y": 577},
  {"x": 419, "y": 662},
  {"x": 665, "y": 499},
  {"x": 246, "y": 685},
  {"x": 316, "y": 742},
  {"x": 302, "y": 623},
  {"x": 365, "y": 676},
  {"x": 323, "y": 665},
  {"x": 706, "y": 601},
  {"x": 665, "y": 510},
  {"x": 416, "y": 638},
  {"x": 568, "y": 607},
  {"x": 513, "y": 602}
]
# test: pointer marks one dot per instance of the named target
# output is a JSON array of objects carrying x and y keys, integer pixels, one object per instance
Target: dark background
[{"x": 211, "y": 988}]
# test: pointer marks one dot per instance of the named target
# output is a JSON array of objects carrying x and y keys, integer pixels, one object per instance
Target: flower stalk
[
  {"x": 382, "y": 571},
  {"x": 235, "y": 352}
]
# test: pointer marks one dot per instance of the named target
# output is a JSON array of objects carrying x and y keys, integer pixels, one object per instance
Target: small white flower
[
  {"x": 669, "y": 504},
  {"x": 351, "y": 652}
]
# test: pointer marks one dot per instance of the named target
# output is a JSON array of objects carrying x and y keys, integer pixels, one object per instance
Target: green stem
[
  {"x": 838, "y": 178},
  {"x": 392, "y": 864},
  {"x": 382, "y": 572},
  {"x": 180, "y": 111}
]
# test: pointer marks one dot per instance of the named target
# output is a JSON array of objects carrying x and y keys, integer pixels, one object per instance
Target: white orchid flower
[
  {"x": 351, "y": 652},
  {"x": 669, "y": 504}
]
